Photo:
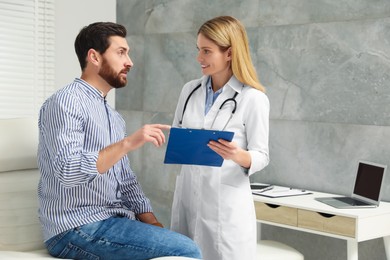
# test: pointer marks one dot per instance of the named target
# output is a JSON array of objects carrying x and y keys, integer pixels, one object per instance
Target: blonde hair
[{"x": 228, "y": 32}]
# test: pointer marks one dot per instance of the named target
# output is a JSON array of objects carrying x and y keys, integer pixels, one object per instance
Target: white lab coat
[{"x": 214, "y": 205}]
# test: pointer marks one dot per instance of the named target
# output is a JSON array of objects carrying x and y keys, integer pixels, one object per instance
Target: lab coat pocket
[{"x": 234, "y": 175}]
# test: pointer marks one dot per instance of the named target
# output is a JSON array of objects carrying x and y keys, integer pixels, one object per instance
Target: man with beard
[{"x": 90, "y": 203}]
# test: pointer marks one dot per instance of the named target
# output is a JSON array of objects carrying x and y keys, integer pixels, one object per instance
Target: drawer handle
[
  {"x": 326, "y": 215},
  {"x": 272, "y": 205}
]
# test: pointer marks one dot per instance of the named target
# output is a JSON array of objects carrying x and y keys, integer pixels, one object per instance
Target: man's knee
[{"x": 189, "y": 248}]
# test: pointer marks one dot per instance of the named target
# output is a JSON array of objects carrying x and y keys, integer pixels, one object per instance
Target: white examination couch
[{"x": 20, "y": 231}]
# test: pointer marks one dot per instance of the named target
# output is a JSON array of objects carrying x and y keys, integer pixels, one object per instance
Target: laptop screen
[{"x": 369, "y": 180}]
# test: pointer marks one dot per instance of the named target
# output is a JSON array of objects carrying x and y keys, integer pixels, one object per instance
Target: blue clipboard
[{"x": 189, "y": 146}]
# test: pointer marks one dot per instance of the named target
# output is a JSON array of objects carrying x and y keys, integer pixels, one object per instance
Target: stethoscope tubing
[
  {"x": 185, "y": 104},
  {"x": 233, "y": 99}
]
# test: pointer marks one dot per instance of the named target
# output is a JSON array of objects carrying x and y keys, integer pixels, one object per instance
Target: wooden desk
[{"x": 303, "y": 213}]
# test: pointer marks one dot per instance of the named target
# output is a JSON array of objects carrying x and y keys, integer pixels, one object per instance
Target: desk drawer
[
  {"x": 329, "y": 223},
  {"x": 276, "y": 213}
]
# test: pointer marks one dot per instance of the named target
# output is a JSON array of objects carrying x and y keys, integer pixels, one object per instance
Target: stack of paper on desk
[{"x": 278, "y": 191}]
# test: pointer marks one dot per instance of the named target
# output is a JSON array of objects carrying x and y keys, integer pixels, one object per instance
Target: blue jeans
[{"x": 120, "y": 238}]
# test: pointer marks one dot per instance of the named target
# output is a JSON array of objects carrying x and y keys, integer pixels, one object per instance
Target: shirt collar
[
  {"x": 209, "y": 87},
  {"x": 90, "y": 89}
]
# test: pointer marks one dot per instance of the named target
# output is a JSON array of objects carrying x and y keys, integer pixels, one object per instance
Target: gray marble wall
[{"x": 326, "y": 66}]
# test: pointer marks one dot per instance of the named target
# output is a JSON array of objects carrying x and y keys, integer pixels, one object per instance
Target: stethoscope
[{"x": 232, "y": 99}]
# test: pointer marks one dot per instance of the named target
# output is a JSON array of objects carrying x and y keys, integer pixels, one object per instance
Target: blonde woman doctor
[{"x": 214, "y": 205}]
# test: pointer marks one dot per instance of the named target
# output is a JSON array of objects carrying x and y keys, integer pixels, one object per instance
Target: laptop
[{"x": 367, "y": 190}]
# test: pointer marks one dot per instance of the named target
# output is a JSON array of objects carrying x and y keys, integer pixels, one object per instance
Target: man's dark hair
[{"x": 95, "y": 36}]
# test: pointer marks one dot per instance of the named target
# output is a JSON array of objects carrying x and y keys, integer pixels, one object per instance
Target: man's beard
[{"x": 114, "y": 79}]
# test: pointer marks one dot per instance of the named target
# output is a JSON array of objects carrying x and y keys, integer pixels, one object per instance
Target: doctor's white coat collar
[{"x": 233, "y": 83}]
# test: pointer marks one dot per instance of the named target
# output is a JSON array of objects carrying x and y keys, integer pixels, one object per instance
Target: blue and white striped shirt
[{"x": 76, "y": 123}]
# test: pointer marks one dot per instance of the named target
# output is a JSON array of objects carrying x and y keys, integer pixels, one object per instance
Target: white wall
[{"x": 71, "y": 16}]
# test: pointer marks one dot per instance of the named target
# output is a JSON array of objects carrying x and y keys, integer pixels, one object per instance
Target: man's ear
[{"x": 93, "y": 56}]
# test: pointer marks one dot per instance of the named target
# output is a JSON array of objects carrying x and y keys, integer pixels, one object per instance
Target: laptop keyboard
[{"x": 351, "y": 201}]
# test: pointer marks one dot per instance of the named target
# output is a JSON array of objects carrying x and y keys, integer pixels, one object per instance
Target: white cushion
[
  {"x": 38, "y": 254},
  {"x": 273, "y": 250},
  {"x": 20, "y": 229},
  {"x": 18, "y": 144},
  {"x": 43, "y": 254},
  {"x": 173, "y": 258}
]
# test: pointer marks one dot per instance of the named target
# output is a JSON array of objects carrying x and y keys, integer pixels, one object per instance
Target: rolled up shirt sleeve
[{"x": 63, "y": 134}]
